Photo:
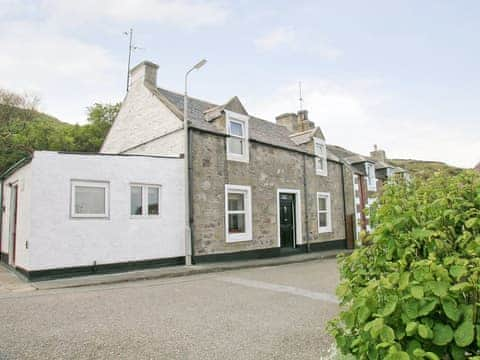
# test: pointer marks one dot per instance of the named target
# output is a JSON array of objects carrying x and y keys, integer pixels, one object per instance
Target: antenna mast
[
  {"x": 300, "y": 99},
  {"x": 130, "y": 48}
]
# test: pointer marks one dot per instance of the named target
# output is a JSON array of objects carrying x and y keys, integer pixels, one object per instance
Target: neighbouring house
[
  {"x": 477, "y": 167},
  {"x": 370, "y": 173},
  {"x": 256, "y": 189}
]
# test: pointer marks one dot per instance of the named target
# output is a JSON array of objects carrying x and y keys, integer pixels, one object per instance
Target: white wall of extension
[{"x": 57, "y": 240}]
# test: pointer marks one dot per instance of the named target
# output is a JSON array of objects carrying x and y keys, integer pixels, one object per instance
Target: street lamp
[{"x": 188, "y": 231}]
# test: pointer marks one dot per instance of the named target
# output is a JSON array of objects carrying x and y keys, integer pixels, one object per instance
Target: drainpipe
[
  {"x": 344, "y": 206},
  {"x": 306, "y": 201},
  {"x": 190, "y": 195}
]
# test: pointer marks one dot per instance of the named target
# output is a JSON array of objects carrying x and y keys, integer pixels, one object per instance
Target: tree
[{"x": 414, "y": 292}]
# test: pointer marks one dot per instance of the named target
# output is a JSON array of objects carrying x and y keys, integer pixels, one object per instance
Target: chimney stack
[
  {"x": 145, "y": 72},
  {"x": 377, "y": 154},
  {"x": 295, "y": 122}
]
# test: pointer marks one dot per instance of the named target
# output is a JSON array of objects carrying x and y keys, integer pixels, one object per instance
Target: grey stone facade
[{"x": 269, "y": 169}]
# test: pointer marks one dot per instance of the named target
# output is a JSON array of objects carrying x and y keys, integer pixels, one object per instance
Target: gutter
[
  {"x": 190, "y": 195},
  {"x": 305, "y": 196}
]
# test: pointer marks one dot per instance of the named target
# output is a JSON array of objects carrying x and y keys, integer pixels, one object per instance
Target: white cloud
[
  {"x": 67, "y": 73},
  {"x": 189, "y": 13},
  {"x": 275, "y": 38},
  {"x": 287, "y": 37},
  {"x": 353, "y": 115}
]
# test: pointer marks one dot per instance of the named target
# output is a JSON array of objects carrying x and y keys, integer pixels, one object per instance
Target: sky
[{"x": 401, "y": 74}]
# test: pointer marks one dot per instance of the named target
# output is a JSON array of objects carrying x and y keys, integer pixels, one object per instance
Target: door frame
[
  {"x": 12, "y": 224},
  {"x": 298, "y": 216}
]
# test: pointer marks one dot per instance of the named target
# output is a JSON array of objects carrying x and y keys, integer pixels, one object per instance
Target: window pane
[
  {"x": 320, "y": 164},
  {"x": 236, "y": 223},
  {"x": 153, "y": 196},
  {"x": 236, "y": 146},
  {"x": 89, "y": 200},
  {"x": 136, "y": 200},
  {"x": 322, "y": 219},
  {"x": 236, "y": 129},
  {"x": 235, "y": 202},
  {"x": 322, "y": 203},
  {"x": 318, "y": 149}
]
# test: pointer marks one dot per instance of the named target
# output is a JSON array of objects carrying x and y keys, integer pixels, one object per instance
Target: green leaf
[
  {"x": 387, "y": 334},
  {"x": 417, "y": 292},
  {"x": 404, "y": 280},
  {"x": 425, "y": 332},
  {"x": 411, "y": 328},
  {"x": 457, "y": 353},
  {"x": 464, "y": 334},
  {"x": 463, "y": 286},
  {"x": 431, "y": 356},
  {"x": 411, "y": 308},
  {"x": 389, "y": 308},
  {"x": 427, "y": 307},
  {"x": 478, "y": 336},
  {"x": 450, "y": 308},
  {"x": 442, "y": 334},
  {"x": 412, "y": 346},
  {"x": 363, "y": 314},
  {"x": 458, "y": 271},
  {"x": 439, "y": 288},
  {"x": 470, "y": 223},
  {"x": 399, "y": 355}
]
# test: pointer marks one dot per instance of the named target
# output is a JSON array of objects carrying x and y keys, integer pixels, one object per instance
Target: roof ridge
[{"x": 190, "y": 97}]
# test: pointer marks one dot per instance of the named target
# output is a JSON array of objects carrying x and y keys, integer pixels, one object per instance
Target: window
[
  {"x": 238, "y": 213},
  {"x": 324, "y": 213},
  {"x": 321, "y": 157},
  {"x": 371, "y": 178},
  {"x": 144, "y": 200},
  {"x": 89, "y": 199},
  {"x": 237, "y": 142}
]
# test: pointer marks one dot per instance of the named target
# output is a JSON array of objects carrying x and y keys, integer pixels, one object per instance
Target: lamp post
[{"x": 188, "y": 231}]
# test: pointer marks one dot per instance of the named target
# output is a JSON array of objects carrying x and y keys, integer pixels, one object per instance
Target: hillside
[{"x": 424, "y": 169}]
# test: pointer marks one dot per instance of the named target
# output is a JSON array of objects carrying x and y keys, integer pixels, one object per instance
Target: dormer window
[
  {"x": 237, "y": 142},
  {"x": 320, "y": 157},
  {"x": 371, "y": 178}
]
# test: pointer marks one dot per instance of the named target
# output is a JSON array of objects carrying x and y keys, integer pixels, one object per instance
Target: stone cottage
[{"x": 257, "y": 188}]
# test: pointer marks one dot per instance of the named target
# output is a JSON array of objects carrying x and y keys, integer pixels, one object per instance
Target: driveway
[{"x": 275, "y": 312}]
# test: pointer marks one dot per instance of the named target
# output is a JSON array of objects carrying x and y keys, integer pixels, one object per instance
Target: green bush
[{"x": 414, "y": 292}]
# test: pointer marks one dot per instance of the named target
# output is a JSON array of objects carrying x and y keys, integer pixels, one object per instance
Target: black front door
[{"x": 287, "y": 220}]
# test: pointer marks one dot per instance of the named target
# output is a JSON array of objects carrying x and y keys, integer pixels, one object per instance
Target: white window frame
[
  {"x": 328, "y": 211},
  {"x": 94, "y": 184},
  {"x": 247, "y": 192},
  {"x": 243, "y": 120},
  {"x": 371, "y": 177},
  {"x": 145, "y": 188},
  {"x": 320, "y": 156}
]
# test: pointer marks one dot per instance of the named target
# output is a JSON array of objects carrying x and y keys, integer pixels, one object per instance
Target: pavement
[
  {"x": 263, "y": 312},
  {"x": 12, "y": 281}
]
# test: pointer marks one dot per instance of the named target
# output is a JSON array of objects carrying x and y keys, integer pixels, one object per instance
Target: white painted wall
[
  {"x": 142, "y": 117},
  {"x": 22, "y": 177},
  {"x": 170, "y": 144},
  {"x": 56, "y": 240}
]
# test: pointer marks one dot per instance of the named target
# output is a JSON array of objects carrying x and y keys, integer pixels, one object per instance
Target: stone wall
[{"x": 269, "y": 169}]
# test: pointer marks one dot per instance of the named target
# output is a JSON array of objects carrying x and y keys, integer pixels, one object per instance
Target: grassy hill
[{"x": 425, "y": 169}]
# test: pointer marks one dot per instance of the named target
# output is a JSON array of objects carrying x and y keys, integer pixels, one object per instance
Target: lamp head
[{"x": 200, "y": 64}]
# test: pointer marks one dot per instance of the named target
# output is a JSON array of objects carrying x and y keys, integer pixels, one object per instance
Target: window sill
[
  {"x": 325, "y": 231},
  {"x": 232, "y": 157}
]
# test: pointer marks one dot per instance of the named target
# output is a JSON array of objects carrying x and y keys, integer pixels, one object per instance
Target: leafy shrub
[{"x": 414, "y": 293}]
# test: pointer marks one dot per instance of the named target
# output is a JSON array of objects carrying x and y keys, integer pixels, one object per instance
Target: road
[{"x": 275, "y": 312}]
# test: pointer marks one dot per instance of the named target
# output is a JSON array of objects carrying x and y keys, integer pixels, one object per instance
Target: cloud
[
  {"x": 65, "y": 71},
  {"x": 359, "y": 114},
  {"x": 187, "y": 13},
  {"x": 275, "y": 38},
  {"x": 288, "y": 38}
]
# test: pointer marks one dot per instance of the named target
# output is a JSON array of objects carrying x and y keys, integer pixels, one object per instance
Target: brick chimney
[
  {"x": 145, "y": 72},
  {"x": 295, "y": 122},
  {"x": 377, "y": 154}
]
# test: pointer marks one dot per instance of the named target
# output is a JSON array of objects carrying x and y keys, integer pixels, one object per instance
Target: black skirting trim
[
  {"x": 4, "y": 258},
  {"x": 49, "y": 274},
  {"x": 270, "y": 252}
]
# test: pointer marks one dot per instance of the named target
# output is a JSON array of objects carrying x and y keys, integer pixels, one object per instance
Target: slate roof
[{"x": 260, "y": 130}]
